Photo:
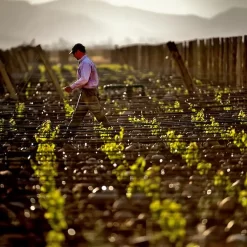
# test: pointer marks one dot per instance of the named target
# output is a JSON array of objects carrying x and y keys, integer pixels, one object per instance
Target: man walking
[{"x": 87, "y": 82}]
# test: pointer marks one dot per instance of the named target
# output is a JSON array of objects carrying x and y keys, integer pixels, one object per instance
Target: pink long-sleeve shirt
[{"x": 87, "y": 76}]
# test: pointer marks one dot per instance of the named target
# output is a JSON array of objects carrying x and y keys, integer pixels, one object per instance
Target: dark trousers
[{"x": 89, "y": 102}]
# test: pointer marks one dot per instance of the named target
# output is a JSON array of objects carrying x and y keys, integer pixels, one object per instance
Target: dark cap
[{"x": 79, "y": 47}]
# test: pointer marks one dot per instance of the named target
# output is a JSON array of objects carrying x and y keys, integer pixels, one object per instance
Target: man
[{"x": 87, "y": 82}]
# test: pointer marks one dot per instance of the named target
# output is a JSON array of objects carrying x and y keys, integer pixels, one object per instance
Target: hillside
[{"x": 92, "y": 22}]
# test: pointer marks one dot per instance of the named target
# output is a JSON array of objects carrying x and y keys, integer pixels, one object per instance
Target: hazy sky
[
  {"x": 167, "y": 6},
  {"x": 205, "y": 8}
]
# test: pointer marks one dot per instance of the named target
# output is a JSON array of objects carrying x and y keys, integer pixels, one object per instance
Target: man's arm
[{"x": 83, "y": 80}]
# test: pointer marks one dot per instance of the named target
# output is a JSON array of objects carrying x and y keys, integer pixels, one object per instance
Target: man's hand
[{"x": 68, "y": 89}]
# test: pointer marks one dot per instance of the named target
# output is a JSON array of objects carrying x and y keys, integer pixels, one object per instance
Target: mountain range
[{"x": 64, "y": 22}]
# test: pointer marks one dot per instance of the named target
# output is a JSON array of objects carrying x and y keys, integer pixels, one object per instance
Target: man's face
[{"x": 78, "y": 54}]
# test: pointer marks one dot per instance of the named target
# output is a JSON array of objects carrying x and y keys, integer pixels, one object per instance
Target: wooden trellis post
[
  {"x": 139, "y": 58},
  {"x": 115, "y": 56},
  {"x": 122, "y": 56},
  {"x": 63, "y": 56},
  {"x": 245, "y": 62},
  {"x": 234, "y": 62},
  {"x": 132, "y": 56},
  {"x": 216, "y": 56},
  {"x": 12, "y": 59},
  {"x": 145, "y": 58},
  {"x": 209, "y": 59},
  {"x": 6, "y": 58},
  {"x": 153, "y": 58},
  {"x": 7, "y": 81},
  {"x": 180, "y": 49},
  {"x": 18, "y": 59},
  {"x": 23, "y": 58},
  {"x": 221, "y": 60},
  {"x": 228, "y": 59},
  {"x": 190, "y": 58},
  {"x": 183, "y": 70},
  {"x": 149, "y": 52},
  {"x": 203, "y": 60},
  {"x": 166, "y": 61},
  {"x": 50, "y": 71},
  {"x": 239, "y": 72},
  {"x": 160, "y": 58},
  {"x": 11, "y": 63}
]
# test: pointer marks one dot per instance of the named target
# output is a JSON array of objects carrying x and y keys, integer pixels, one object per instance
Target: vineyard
[{"x": 171, "y": 171}]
